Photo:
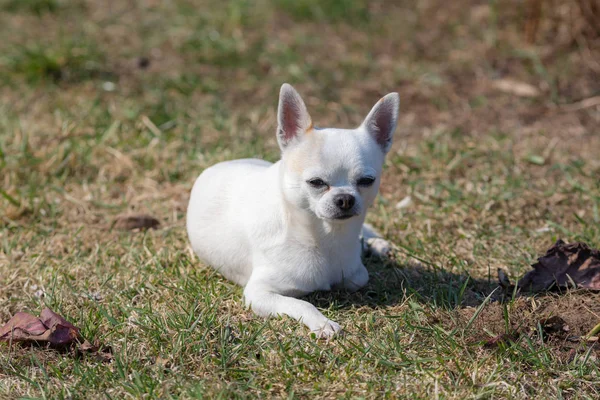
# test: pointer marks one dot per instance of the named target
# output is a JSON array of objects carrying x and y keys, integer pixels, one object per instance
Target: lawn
[{"x": 110, "y": 107}]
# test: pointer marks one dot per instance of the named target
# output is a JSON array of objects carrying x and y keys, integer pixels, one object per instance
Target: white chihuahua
[{"x": 287, "y": 229}]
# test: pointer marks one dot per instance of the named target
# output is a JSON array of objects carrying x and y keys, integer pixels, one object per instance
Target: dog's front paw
[
  {"x": 328, "y": 330},
  {"x": 378, "y": 247}
]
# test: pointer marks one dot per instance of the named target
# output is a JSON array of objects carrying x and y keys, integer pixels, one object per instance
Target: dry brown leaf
[
  {"x": 101, "y": 353},
  {"x": 50, "y": 328},
  {"x": 564, "y": 264},
  {"x": 21, "y": 326},
  {"x": 62, "y": 332},
  {"x": 136, "y": 221}
]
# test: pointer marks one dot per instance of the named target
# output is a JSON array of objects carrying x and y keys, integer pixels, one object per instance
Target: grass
[
  {"x": 38, "y": 7},
  {"x": 68, "y": 62},
  {"x": 115, "y": 109}
]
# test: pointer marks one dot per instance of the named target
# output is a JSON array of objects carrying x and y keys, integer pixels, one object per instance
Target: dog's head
[{"x": 334, "y": 173}]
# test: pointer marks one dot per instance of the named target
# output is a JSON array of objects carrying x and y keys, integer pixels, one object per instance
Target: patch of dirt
[{"x": 563, "y": 320}]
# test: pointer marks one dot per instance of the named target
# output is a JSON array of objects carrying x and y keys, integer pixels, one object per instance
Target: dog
[{"x": 287, "y": 229}]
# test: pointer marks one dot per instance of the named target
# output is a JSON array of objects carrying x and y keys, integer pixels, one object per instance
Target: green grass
[
  {"x": 37, "y": 7},
  {"x": 66, "y": 61},
  {"x": 349, "y": 11},
  {"x": 88, "y": 132}
]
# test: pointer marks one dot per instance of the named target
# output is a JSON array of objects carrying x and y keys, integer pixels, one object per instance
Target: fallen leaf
[
  {"x": 50, "y": 328},
  {"x": 53, "y": 329},
  {"x": 87, "y": 346},
  {"x": 62, "y": 332},
  {"x": 101, "y": 353},
  {"x": 517, "y": 88},
  {"x": 564, "y": 264},
  {"x": 21, "y": 326},
  {"x": 135, "y": 221}
]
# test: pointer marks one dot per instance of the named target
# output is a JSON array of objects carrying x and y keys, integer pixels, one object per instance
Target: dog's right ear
[{"x": 292, "y": 117}]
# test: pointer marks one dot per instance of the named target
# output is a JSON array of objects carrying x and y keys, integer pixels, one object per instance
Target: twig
[{"x": 580, "y": 105}]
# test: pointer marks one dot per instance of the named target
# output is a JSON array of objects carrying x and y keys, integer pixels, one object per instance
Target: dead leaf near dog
[
  {"x": 567, "y": 318},
  {"x": 564, "y": 265},
  {"x": 130, "y": 222},
  {"x": 50, "y": 329}
]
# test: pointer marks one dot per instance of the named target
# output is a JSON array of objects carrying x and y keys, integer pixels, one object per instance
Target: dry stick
[{"x": 580, "y": 105}]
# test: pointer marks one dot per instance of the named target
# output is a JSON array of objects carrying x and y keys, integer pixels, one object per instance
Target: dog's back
[{"x": 216, "y": 228}]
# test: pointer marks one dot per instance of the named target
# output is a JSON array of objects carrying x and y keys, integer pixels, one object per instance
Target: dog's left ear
[
  {"x": 381, "y": 121},
  {"x": 293, "y": 119}
]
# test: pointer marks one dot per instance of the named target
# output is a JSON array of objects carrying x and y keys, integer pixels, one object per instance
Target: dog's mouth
[
  {"x": 344, "y": 216},
  {"x": 339, "y": 217}
]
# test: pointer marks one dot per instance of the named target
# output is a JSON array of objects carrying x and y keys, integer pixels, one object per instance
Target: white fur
[{"x": 265, "y": 227}]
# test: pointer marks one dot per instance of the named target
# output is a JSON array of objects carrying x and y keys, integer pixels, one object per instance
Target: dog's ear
[
  {"x": 292, "y": 117},
  {"x": 381, "y": 121}
]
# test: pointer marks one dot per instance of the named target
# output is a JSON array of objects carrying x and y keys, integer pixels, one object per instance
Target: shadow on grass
[{"x": 391, "y": 283}]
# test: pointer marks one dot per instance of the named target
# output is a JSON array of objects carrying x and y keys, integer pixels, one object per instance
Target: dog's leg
[
  {"x": 355, "y": 279},
  {"x": 373, "y": 243},
  {"x": 266, "y": 303}
]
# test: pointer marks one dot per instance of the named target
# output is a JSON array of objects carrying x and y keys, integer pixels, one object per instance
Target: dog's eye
[
  {"x": 366, "y": 181},
  {"x": 316, "y": 182}
]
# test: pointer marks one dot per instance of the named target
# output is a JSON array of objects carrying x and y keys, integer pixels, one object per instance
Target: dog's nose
[{"x": 344, "y": 201}]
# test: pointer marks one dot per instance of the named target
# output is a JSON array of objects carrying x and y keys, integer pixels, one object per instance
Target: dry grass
[{"x": 112, "y": 107}]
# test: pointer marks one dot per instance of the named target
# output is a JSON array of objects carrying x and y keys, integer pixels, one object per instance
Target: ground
[{"x": 111, "y": 107}]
